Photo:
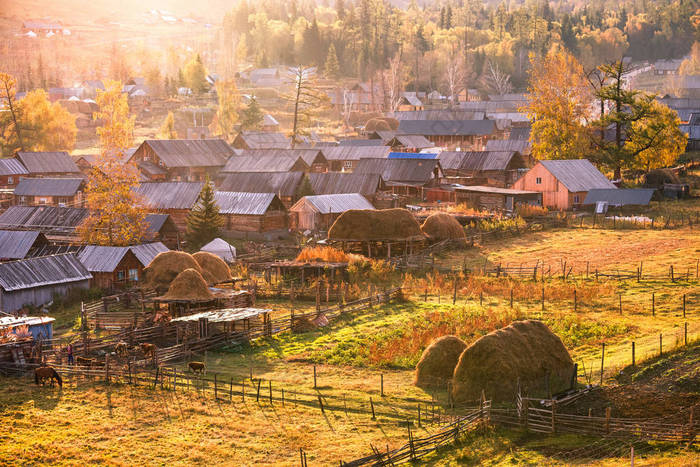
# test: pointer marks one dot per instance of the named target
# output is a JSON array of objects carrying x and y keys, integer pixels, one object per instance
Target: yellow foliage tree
[
  {"x": 227, "y": 112},
  {"x": 558, "y": 107},
  {"x": 167, "y": 130},
  {"x": 657, "y": 140},
  {"x": 116, "y": 213}
]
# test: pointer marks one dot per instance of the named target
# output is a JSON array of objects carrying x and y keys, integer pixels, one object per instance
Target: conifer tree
[
  {"x": 203, "y": 221},
  {"x": 332, "y": 66},
  {"x": 251, "y": 117},
  {"x": 304, "y": 188},
  {"x": 167, "y": 130}
]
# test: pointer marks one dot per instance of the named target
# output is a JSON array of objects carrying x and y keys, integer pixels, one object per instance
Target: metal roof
[
  {"x": 577, "y": 174},
  {"x": 249, "y": 204},
  {"x": 45, "y": 270},
  {"x": 97, "y": 258},
  {"x": 620, "y": 197},
  {"x": 147, "y": 251},
  {"x": 47, "y": 162},
  {"x": 447, "y": 127},
  {"x": 411, "y": 141},
  {"x": 354, "y": 153},
  {"x": 263, "y": 140},
  {"x": 169, "y": 195},
  {"x": 48, "y": 186},
  {"x": 476, "y": 160},
  {"x": 337, "y": 182},
  {"x": 494, "y": 190},
  {"x": 334, "y": 204},
  {"x": 11, "y": 166},
  {"x": 438, "y": 114},
  {"x": 190, "y": 152},
  {"x": 9, "y": 322},
  {"x": 220, "y": 248},
  {"x": 359, "y": 142},
  {"x": 16, "y": 244},
  {"x": 519, "y": 145},
  {"x": 281, "y": 183},
  {"x": 308, "y": 155},
  {"x": 225, "y": 315},
  {"x": 264, "y": 164},
  {"x": 155, "y": 222},
  {"x": 44, "y": 218},
  {"x": 411, "y": 155},
  {"x": 519, "y": 133},
  {"x": 399, "y": 170}
]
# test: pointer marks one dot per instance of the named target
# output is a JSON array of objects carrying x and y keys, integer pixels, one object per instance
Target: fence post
[
  {"x": 633, "y": 362},
  {"x": 371, "y": 404},
  {"x": 314, "y": 376},
  {"x": 543, "y": 298},
  {"x": 419, "y": 414},
  {"x": 653, "y": 304},
  {"x": 382, "y": 384},
  {"x": 602, "y": 364},
  {"x": 257, "y": 394},
  {"x": 620, "y": 295},
  {"x": 686, "y": 334},
  {"x": 230, "y": 390},
  {"x": 454, "y": 293},
  {"x": 270, "y": 385},
  {"x": 511, "y": 297},
  {"x": 481, "y": 299},
  {"x": 554, "y": 411},
  {"x": 683, "y": 305},
  {"x": 661, "y": 347},
  {"x": 575, "y": 300},
  {"x": 216, "y": 388},
  {"x": 243, "y": 390}
]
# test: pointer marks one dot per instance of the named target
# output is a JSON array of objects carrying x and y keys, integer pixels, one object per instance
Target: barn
[
  {"x": 284, "y": 184},
  {"x": 318, "y": 212},
  {"x": 118, "y": 267},
  {"x": 35, "y": 281},
  {"x": 173, "y": 198},
  {"x": 563, "y": 183},
  {"x": 499, "y": 168},
  {"x": 50, "y": 191},
  {"x": 15, "y": 244},
  {"x": 251, "y": 212}
]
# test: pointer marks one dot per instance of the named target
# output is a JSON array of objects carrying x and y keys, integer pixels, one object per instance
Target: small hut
[{"x": 222, "y": 249}]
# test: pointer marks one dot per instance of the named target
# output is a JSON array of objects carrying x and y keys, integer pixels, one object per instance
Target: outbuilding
[
  {"x": 318, "y": 212},
  {"x": 118, "y": 267},
  {"x": 251, "y": 212}
]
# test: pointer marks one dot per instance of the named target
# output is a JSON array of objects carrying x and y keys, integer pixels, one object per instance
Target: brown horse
[
  {"x": 43, "y": 373},
  {"x": 122, "y": 349},
  {"x": 197, "y": 367},
  {"x": 148, "y": 350}
]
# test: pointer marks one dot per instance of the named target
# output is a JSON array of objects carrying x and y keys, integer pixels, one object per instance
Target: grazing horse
[
  {"x": 197, "y": 367},
  {"x": 122, "y": 349},
  {"x": 148, "y": 350},
  {"x": 43, "y": 373}
]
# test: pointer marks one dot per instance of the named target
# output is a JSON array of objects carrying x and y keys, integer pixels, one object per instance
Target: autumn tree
[
  {"x": 558, "y": 107},
  {"x": 195, "y": 76},
  {"x": 495, "y": 80},
  {"x": 204, "y": 220},
  {"x": 167, "y": 129},
  {"x": 251, "y": 116},
  {"x": 332, "y": 68},
  {"x": 10, "y": 128},
  {"x": 306, "y": 100},
  {"x": 227, "y": 111},
  {"x": 116, "y": 212}
]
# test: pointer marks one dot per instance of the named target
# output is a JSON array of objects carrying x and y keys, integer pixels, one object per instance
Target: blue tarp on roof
[{"x": 411, "y": 155}]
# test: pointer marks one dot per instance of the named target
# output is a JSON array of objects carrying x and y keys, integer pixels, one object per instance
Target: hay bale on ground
[
  {"x": 526, "y": 351},
  {"x": 375, "y": 225},
  {"x": 214, "y": 269},
  {"x": 188, "y": 285},
  {"x": 437, "y": 364},
  {"x": 166, "y": 266},
  {"x": 442, "y": 226},
  {"x": 301, "y": 324}
]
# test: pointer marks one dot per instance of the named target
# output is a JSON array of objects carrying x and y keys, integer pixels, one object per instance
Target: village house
[
  {"x": 35, "y": 281},
  {"x": 563, "y": 183},
  {"x": 52, "y": 221},
  {"x": 50, "y": 192},
  {"x": 360, "y": 142},
  {"x": 494, "y": 199},
  {"x": 173, "y": 198},
  {"x": 492, "y": 168},
  {"x": 409, "y": 101},
  {"x": 314, "y": 159},
  {"x": 284, "y": 184},
  {"x": 20, "y": 244},
  {"x": 161, "y": 228},
  {"x": 318, "y": 212},
  {"x": 409, "y": 143},
  {"x": 408, "y": 177},
  {"x": 264, "y": 163},
  {"x": 345, "y": 158},
  {"x": 251, "y": 213},
  {"x": 48, "y": 164},
  {"x": 260, "y": 140},
  {"x": 189, "y": 160},
  {"x": 330, "y": 183},
  {"x": 118, "y": 267},
  {"x": 522, "y": 146},
  {"x": 11, "y": 170},
  {"x": 464, "y": 134}
]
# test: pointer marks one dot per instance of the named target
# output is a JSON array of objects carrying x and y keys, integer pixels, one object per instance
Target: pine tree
[
  {"x": 448, "y": 17},
  {"x": 332, "y": 66},
  {"x": 304, "y": 188},
  {"x": 167, "y": 130},
  {"x": 203, "y": 221},
  {"x": 251, "y": 117}
]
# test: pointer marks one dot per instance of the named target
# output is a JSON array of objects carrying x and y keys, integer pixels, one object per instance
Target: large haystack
[
  {"x": 375, "y": 225},
  {"x": 166, "y": 266},
  {"x": 438, "y": 362},
  {"x": 526, "y": 350},
  {"x": 442, "y": 226},
  {"x": 188, "y": 285},
  {"x": 657, "y": 178},
  {"x": 214, "y": 269}
]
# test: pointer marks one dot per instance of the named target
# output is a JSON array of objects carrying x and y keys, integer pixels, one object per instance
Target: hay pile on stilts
[
  {"x": 166, "y": 266},
  {"x": 375, "y": 225},
  {"x": 438, "y": 362},
  {"x": 188, "y": 285},
  {"x": 526, "y": 352},
  {"x": 442, "y": 226},
  {"x": 214, "y": 269}
]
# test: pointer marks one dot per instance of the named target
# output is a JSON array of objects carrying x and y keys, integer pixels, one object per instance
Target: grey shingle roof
[
  {"x": 11, "y": 166},
  {"x": 43, "y": 218},
  {"x": 360, "y": 142},
  {"x": 354, "y": 153},
  {"x": 336, "y": 203},
  {"x": 263, "y": 140},
  {"x": 97, "y": 258},
  {"x": 411, "y": 141},
  {"x": 309, "y": 156},
  {"x": 280, "y": 183},
  {"x": 47, "y": 162},
  {"x": 45, "y": 270},
  {"x": 169, "y": 195},
  {"x": 476, "y": 160},
  {"x": 441, "y": 114},
  {"x": 147, "y": 251},
  {"x": 335, "y": 182},
  {"x": 16, "y": 244},
  {"x": 48, "y": 186},
  {"x": 411, "y": 171},
  {"x": 190, "y": 152},
  {"x": 264, "y": 164},
  {"x": 447, "y": 127},
  {"x": 577, "y": 174},
  {"x": 520, "y": 145},
  {"x": 249, "y": 204}
]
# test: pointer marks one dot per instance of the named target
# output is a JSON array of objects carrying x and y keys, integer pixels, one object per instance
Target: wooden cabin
[
  {"x": 118, "y": 267},
  {"x": 318, "y": 212},
  {"x": 48, "y": 164},
  {"x": 251, "y": 212},
  {"x": 173, "y": 198},
  {"x": 284, "y": 184},
  {"x": 190, "y": 160},
  {"x": 11, "y": 171},
  {"x": 463, "y": 134},
  {"x": 345, "y": 158},
  {"x": 260, "y": 140},
  {"x": 501, "y": 168},
  {"x": 50, "y": 192}
]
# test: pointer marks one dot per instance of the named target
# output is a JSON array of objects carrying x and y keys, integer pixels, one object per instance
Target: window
[
  {"x": 10, "y": 180},
  {"x": 133, "y": 275},
  {"x": 120, "y": 275},
  {"x": 538, "y": 180},
  {"x": 576, "y": 199},
  {"x": 347, "y": 164}
]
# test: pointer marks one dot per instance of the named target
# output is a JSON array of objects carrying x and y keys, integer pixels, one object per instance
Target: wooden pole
[
  {"x": 314, "y": 376},
  {"x": 216, "y": 389},
  {"x": 270, "y": 385},
  {"x": 686, "y": 333},
  {"x": 575, "y": 300},
  {"x": 602, "y": 364},
  {"x": 382, "y": 384},
  {"x": 633, "y": 354},
  {"x": 371, "y": 404},
  {"x": 543, "y": 298},
  {"x": 511, "y": 297},
  {"x": 661, "y": 345},
  {"x": 454, "y": 293},
  {"x": 683, "y": 305},
  {"x": 653, "y": 304},
  {"x": 243, "y": 390},
  {"x": 620, "y": 296}
]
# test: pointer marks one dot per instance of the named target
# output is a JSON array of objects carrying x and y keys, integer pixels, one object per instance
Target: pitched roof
[
  {"x": 47, "y": 162},
  {"x": 520, "y": 133},
  {"x": 265, "y": 163},
  {"x": 476, "y": 160},
  {"x": 282, "y": 183},
  {"x": 220, "y": 248},
  {"x": 41, "y": 271},
  {"x": 408, "y": 171},
  {"x": 250, "y": 204},
  {"x": 11, "y": 166},
  {"x": 522, "y": 146},
  {"x": 147, "y": 251},
  {"x": 411, "y": 141},
  {"x": 97, "y": 258},
  {"x": 438, "y": 114},
  {"x": 360, "y": 142},
  {"x": 354, "y": 153},
  {"x": 48, "y": 186},
  {"x": 169, "y": 195},
  {"x": 308, "y": 155},
  {"x": 16, "y": 244},
  {"x": 447, "y": 127},
  {"x": 43, "y": 218},
  {"x": 263, "y": 140},
  {"x": 577, "y": 174},
  {"x": 335, "y": 203},
  {"x": 336, "y": 182},
  {"x": 620, "y": 197},
  {"x": 191, "y": 152}
]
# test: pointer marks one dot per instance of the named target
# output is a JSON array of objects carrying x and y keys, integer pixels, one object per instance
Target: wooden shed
[
  {"x": 251, "y": 212},
  {"x": 494, "y": 198},
  {"x": 118, "y": 267},
  {"x": 173, "y": 198},
  {"x": 16, "y": 244},
  {"x": 318, "y": 212},
  {"x": 501, "y": 167}
]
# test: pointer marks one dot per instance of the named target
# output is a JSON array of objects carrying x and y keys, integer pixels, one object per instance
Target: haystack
[
  {"x": 214, "y": 269},
  {"x": 526, "y": 351},
  {"x": 375, "y": 225},
  {"x": 301, "y": 324},
  {"x": 658, "y": 177},
  {"x": 188, "y": 285},
  {"x": 376, "y": 124},
  {"x": 166, "y": 266},
  {"x": 442, "y": 226},
  {"x": 437, "y": 364}
]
